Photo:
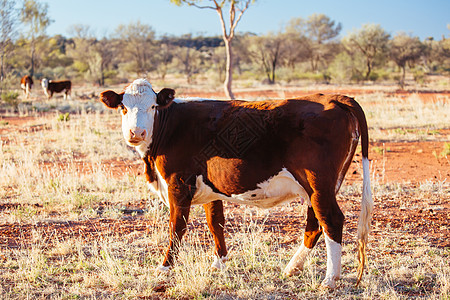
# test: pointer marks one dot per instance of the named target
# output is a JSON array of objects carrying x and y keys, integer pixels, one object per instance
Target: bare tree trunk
[
  {"x": 274, "y": 66},
  {"x": 2, "y": 77},
  {"x": 369, "y": 69},
  {"x": 102, "y": 75},
  {"x": 2, "y": 74},
  {"x": 227, "y": 35},
  {"x": 33, "y": 50},
  {"x": 402, "y": 82},
  {"x": 229, "y": 70}
]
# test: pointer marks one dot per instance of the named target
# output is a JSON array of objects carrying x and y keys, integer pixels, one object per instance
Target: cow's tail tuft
[{"x": 365, "y": 217}]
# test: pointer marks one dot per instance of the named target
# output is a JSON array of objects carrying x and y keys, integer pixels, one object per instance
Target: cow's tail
[{"x": 365, "y": 215}]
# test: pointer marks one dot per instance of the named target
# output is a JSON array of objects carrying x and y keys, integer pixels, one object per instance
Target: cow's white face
[
  {"x": 138, "y": 109},
  {"x": 138, "y": 105},
  {"x": 44, "y": 83}
]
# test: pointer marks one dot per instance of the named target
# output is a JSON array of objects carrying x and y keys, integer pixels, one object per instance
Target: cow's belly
[{"x": 276, "y": 190}]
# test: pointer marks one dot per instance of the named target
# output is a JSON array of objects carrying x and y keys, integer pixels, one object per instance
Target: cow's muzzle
[{"x": 137, "y": 136}]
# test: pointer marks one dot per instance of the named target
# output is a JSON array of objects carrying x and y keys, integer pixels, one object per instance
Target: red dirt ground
[{"x": 399, "y": 162}]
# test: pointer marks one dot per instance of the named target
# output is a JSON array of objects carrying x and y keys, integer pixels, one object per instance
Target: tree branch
[
  {"x": 222, "y": 21},
  {"x": 201, "y": 6},
  {"x": 241, "y": 12}
]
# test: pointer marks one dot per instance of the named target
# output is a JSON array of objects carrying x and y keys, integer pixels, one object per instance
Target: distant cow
[
  {"x": 26, "y": 83},
  {"x": 260, "y": 153},
  {"x": 51, "y": 86}
]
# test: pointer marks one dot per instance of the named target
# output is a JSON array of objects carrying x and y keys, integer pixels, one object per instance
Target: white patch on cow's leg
[
  {"x": 219, "y": 263},
  {"x": 162, "y": 269},
  {"x": 334, "y": 253},
  {"x": 297, "y": 261},
  {"x": 159, "y": 187}
]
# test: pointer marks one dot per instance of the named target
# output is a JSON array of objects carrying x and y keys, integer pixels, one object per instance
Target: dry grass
[
  {"x": 410, "y": 119},
  {"x": 62, "y": 171}
]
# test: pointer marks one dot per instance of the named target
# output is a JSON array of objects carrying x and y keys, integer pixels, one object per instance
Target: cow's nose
[{"x": 137, "y": 134}]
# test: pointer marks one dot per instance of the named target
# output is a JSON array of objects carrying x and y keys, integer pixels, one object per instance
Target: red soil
[{"x": 392, "y": 162}]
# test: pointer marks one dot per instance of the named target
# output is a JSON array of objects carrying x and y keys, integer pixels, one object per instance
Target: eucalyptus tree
[
  {"x": 164, "y": 55},
  {"x": 371, "y": 41},
  {"x": 315, "y": 38},
  {"x": 268, "y": 51},
  {"x": 405, "y": 50},
  {"x": 236, "y": 9},
  {"x": 137, "y": 40},
  {"x": 190, "y": 60},
  {"x": 91, "y": 56},
  {"x": 34, "y": 14},
  {"x": 7, "y": 32}
]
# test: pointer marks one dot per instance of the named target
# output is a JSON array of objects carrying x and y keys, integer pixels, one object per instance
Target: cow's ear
[
  {"x": 165, "y": 97},
  {"x": 111, "y": 98}
]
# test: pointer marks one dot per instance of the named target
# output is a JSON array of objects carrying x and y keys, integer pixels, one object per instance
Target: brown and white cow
[
  {"x": 26, "y": 83},
  {"x": 260, "y": 153},
  {"x": 51, "y": 86}
]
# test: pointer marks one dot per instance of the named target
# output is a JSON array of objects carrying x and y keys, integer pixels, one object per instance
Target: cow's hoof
[
  {"x": 292, "y": 271},
  {"x": 219, "y": 263},
  {"x": 328, "y": 283},
  {"x": 162, "y": 270}
]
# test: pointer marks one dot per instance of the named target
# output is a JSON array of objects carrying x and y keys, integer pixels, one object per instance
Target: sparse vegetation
[
  {"x": 11, "y": 98},
  {"x": 446, "y": 151},
  {"x": 64, "y": 117},
  {"x": 68, "y": 192},
  {"x": 77, "y": 220}
]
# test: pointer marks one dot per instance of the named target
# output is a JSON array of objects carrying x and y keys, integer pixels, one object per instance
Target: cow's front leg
[
  {"x": 179, "y": 200},
  {"x": 216, "y": 223}
]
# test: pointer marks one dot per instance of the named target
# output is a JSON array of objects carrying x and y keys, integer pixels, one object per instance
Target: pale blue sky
[{"x": 422, "y": 18}]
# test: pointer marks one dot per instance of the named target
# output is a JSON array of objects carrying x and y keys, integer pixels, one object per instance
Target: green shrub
[
  {"x": 446, "y": 151},
  {"x": 419, "y": 76},
  {"x": 64, "y": 117},
  {"x": 373, "y": 76},
  {"x": 11, "y": 98},
  {"x": 341, "y": 68},
  {"x": 383, "y": 74}
]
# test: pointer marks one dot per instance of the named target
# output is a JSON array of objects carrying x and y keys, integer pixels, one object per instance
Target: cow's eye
[
  {"x": 153, "y": 106},
  {"x": 123, "y": 110}
]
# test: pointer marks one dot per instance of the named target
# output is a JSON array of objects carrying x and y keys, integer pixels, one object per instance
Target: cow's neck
[{"x": 159, "y": 131}]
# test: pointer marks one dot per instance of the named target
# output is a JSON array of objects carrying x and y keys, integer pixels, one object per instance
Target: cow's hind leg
[
  {"x": 331, "y": 219},
  {"x": 312, "y": 234},
  {"x": 216, "y": 222}
]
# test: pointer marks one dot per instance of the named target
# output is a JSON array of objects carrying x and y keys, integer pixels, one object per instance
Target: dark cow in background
[
  {"x": 26, "y": 83},
  {"x": 260, "y": 153},
  {"x": 51, "y": 86}
]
